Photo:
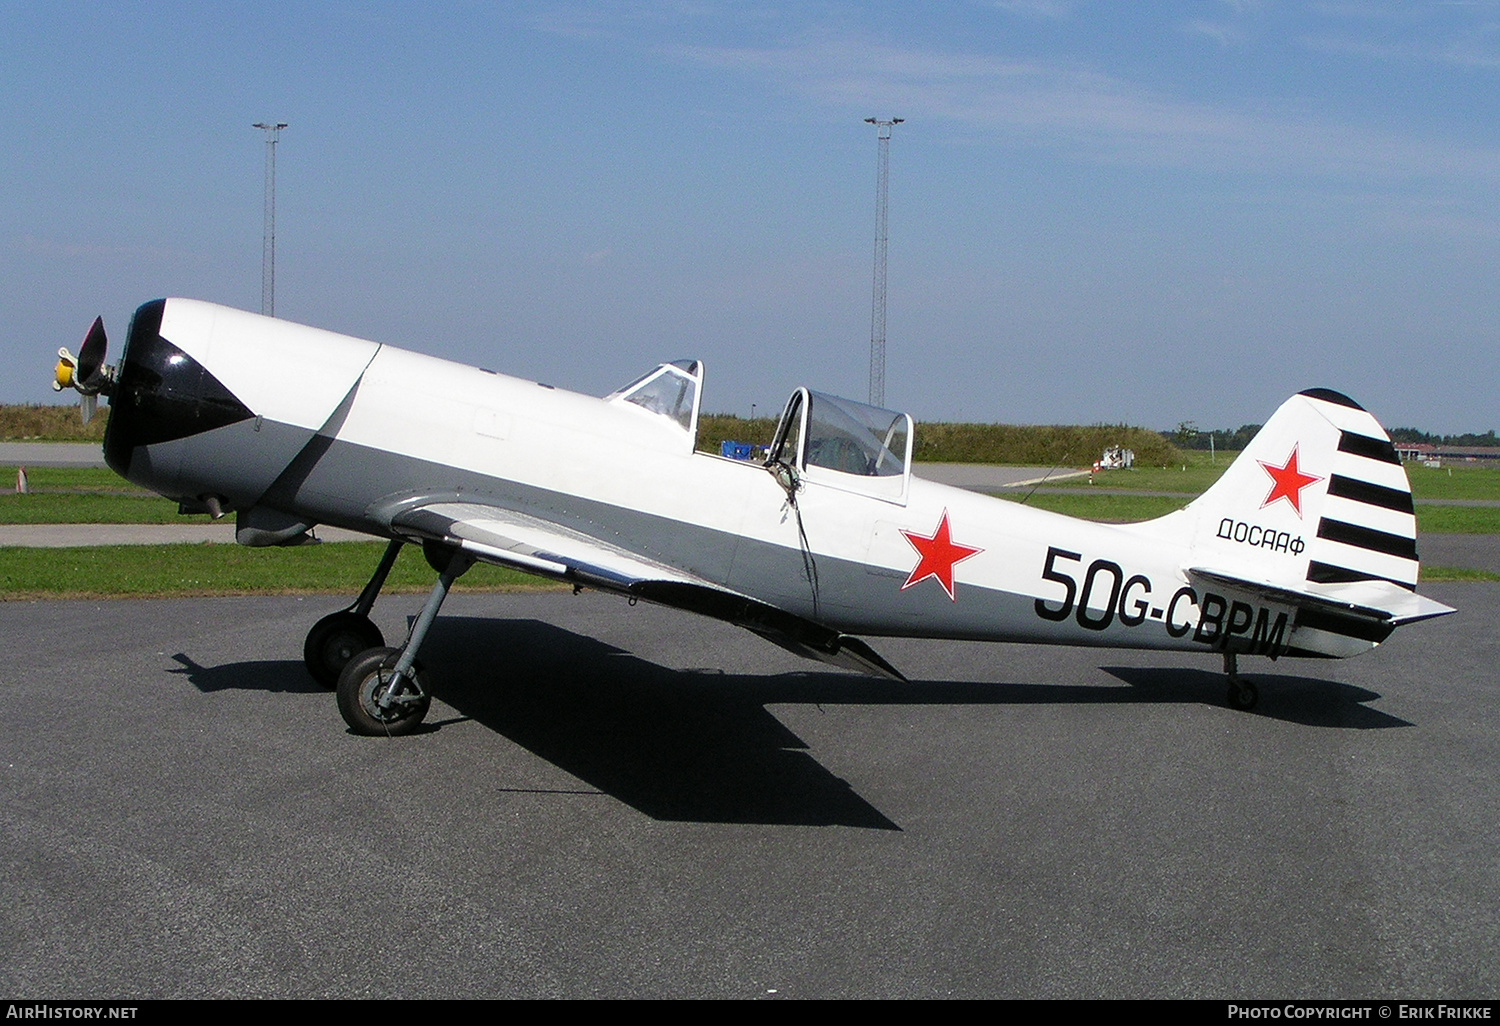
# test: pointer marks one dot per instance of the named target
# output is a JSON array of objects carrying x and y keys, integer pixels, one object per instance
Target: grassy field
[
  {"x": 1124, "y": 509},
  {"x": 88, "y": 495},
  {"x": 1190, "y": 473},
  {"x": 91, "y": 509},
  {"x": 81, "y": 479},
  {"x": 1021, "y": 445},
  {"x": 32, "y": 423},
  {"x": 84, "y": 495},
  {"x": 1115, "y": 509},
  {"x": 1455, "y": 481},
  {"x": 1195, "y": 472}
]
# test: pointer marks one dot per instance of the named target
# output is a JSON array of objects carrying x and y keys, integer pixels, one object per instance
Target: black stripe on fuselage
[
  {"x": 1370, "y": 494},
  {"x": 1367, "y": 538},
  {"x": 1370, "y": 448},
  {"x": 1327, "y": 573},
  {"x": 1328, "y": 395},
  {"x": 1348, "y": 626}
]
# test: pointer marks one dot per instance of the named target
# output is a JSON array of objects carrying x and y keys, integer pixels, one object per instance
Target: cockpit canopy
[
  {"x": 672, "y": 392},
  {"x": 845, "y": 444}
]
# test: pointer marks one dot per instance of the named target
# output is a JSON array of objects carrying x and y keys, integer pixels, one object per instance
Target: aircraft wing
[{"x": 505, "y": 537}]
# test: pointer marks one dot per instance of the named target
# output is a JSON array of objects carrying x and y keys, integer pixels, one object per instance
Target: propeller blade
[
  {"x": 86, "y": 373},
  {"x": 91, "y": 356}
]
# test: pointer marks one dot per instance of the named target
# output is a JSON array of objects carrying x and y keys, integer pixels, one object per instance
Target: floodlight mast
[
  {"x": 882, "y": 212},
  {"x": 268, "y": 234}
]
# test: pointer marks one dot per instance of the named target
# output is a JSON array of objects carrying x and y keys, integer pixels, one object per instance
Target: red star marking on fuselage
[
  {"x": 937, "y": 555},
  {"x": 1289, "y": 482}
]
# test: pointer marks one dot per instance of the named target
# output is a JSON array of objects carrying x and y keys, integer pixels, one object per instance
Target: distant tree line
[
  {"x": 1020, "y": 445},
  {"x": 1402, "y": 434},
  {"x": 1187, "y": 436}
]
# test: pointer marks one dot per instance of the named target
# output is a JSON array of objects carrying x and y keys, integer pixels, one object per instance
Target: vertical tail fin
[
  {"x": 1318, "y": 497},
  {"x": 1314, "y": 519}
]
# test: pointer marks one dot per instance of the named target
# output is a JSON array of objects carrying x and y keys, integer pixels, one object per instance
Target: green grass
[
  {"x": 31, "y": 423},
  {"x": 93, "y": 479},
  {"x": 1455, "y": 481},
  {"x": 1192, "y": 474},
  {"x": 95, "y": 495},
  {"x": 1119, "y": 509},
  {"x": 1037, "y": 445},
  {"x": 1457, "y": 519},
  {"x": 184, "y": 570},
  {"x": 83, "y": 495},
  {"x": 1115, "y": 509},
  {"x": 91, "y": 509},
  {"x": 1456, "y": 573}
]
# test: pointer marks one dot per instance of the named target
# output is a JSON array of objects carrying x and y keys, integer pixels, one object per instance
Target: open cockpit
[
  {"x": 844, "y": 444},
  {"x": 820, "y": 438}
]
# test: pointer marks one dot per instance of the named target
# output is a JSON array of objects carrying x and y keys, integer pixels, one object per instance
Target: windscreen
[{"x": 854, "y": 438}]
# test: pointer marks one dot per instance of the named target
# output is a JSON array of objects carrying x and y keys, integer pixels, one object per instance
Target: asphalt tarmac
[{"x": 618, "y": 801}]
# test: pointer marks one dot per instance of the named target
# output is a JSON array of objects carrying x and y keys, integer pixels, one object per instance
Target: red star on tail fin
[{"x": 1289, "y": 482}]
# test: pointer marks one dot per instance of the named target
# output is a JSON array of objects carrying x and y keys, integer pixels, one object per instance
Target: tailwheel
[
  {"x": 334, "y": 641},
  {"x": 377, "y": 701},
  {"x": 1243, "y": 694}
]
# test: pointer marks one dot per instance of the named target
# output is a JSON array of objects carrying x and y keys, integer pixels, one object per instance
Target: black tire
[
  {"x": 1243, "y": 694},
  {"x": 364, "y": 681},
  {"x": 333, "y": 641}
]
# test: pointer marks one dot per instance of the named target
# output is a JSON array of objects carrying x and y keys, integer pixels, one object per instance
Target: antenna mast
[
  {"x": 268, "y": 237},
  {"x": 882, "y": 212}
]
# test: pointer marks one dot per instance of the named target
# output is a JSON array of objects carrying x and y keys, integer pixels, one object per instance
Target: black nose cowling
[{"x": 161, "y": 394}]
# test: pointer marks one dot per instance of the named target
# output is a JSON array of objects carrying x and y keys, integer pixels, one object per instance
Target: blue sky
[{"x": 1100, "y": 212}]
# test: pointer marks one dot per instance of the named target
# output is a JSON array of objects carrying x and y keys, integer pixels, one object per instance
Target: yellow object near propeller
[{"x": 67, "y": 367}]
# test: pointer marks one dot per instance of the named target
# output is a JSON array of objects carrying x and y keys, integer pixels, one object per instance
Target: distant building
[{"x": 1426, "y": 452}]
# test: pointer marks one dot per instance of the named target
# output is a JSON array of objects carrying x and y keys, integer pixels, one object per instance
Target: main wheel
[
  {"x": 333, "y": 641},
  {"x": 366, "y": 682},
  {"x": 1243, "y": 694}
]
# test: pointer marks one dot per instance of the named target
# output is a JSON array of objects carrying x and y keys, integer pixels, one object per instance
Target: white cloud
[
  {"x": 1055, "y": 10},
  {"x": 1098, "y": 116},
  {"x": 1224, "y": 35},
  {"x": 93, "y": 250}
]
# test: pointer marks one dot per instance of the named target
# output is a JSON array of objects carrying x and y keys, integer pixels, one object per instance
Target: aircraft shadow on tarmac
[
  {"x": 276, "y": 676},
  {"x": 683, "y": 745},
  {"x": 700, "y": 745},
  {"x": 1306, "y": 700}
]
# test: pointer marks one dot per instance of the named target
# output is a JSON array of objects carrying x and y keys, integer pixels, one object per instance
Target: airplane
[{"x": 1306, "y": 546}]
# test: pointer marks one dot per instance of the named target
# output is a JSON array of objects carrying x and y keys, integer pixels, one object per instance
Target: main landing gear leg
[
  {"x": 1243, "y": 694},
  {"x": 381, "y": 691},
  {"x": 339, "y": 637}
]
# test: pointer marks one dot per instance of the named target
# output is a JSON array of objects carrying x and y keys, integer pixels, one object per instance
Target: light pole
[
  {"x": 268, "y": 238},
  {"x": 877, "y": 302}
]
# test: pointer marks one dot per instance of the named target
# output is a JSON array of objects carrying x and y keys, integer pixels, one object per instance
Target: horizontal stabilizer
[{"x": 1382, "y": 601}]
